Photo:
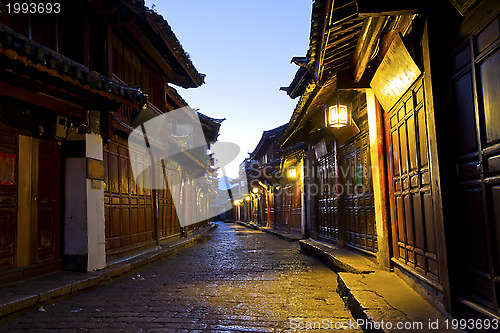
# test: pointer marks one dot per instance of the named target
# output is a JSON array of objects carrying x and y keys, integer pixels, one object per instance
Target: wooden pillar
[
  {"x": 379, "y": 178},
  {"x": 25, "y": 196}
]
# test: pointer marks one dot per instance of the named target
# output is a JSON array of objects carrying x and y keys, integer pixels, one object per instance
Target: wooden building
[
  {"x": 275, "y": 179},
  {"x": 71, "y": 86},
  {"x": 419, "y": 150},
  {"x": 268, "y": 155}
]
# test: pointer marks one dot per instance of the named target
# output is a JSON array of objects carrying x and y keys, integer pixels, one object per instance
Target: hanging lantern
[
  {"x": 255, "y": 190},
  {"x": 292, "y": 173},
  {"x": 337, "y": 115}
]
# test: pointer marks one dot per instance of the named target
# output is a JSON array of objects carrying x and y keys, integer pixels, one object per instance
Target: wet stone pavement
[{"x": 241, "y": 280}]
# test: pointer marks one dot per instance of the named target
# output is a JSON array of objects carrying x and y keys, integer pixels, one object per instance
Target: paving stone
[{"x": 241, "y": 280}]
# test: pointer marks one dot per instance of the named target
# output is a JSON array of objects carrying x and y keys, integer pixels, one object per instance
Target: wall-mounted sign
[
  {"x": 7, "y": 169},
  {"x": 395, "y": 75},
  {"x": 320, "y": 149},
  {"x": 95, "y": 169}
]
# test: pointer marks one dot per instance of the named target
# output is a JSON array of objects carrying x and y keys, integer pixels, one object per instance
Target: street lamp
[{"x": 337, "y": 115}]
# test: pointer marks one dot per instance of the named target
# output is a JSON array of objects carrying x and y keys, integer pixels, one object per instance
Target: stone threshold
[{"x": 288, "y": 236}]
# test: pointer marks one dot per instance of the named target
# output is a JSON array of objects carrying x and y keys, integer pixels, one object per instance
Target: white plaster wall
[
  {"x": 94, "y": 146},
  {"x": 95, "y": 225},
  {"x": 95, "y": 210},
  {"x": 75, "y": 217}
]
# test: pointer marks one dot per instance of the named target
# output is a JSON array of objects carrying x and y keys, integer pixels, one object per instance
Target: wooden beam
[
  {"x": 368, "y": 8},
  {"x": 367, "y": 42},
  {"x": 42, "y": 100},
  {"x": 345, "y": 80}
]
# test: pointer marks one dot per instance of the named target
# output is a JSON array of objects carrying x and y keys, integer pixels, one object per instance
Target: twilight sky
[{"x": 244, "y": 48}]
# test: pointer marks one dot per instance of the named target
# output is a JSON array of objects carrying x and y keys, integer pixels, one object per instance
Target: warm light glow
[
  {"x": 236, "y": 202},
  {"x": 248, "y": 198},
  {"x": 337, "y": 116},
  {"x": 255, "y": 190},
  {"x": 292, "y": 173}
]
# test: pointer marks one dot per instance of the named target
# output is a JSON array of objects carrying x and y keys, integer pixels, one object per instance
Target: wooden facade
[
  {"x": 474, "y": 111},
  {"x": 70, "y": 88},
  {"x": 345, "y": 201},
  {"x": 278, "y": 202},
  {"x": 429, "y": 142}
]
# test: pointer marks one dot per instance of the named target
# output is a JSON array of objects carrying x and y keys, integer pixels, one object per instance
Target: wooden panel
[
  {"x": 476, "y": 99},
  {"x": 327, "y": 200},
  {"x": 8, "y": 210},
  {"x": 411, "y": 199},
  {"x": 357, "y": 196},
  {"x": 48, "y": 221},
  {"x": 490, "y": 74},
  {"x": 466, "y": 122},
  {"x": 128, "y": 208}
]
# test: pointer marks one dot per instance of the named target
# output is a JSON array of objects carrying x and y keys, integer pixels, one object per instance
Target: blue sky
[{"x": 244, "y": 48}]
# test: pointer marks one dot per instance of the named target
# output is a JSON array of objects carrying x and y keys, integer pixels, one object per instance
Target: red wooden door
[
  {"x": 48, "y": 199},
  {"x": 475, "y": 89},
  {"x": 8, "y": 200},
  {"x": 412, "y": 218}
]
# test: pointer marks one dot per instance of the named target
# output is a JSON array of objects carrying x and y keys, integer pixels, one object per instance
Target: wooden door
[
  {"x": 476, "y": 108},
  {"x": 328, "y": 201},
  {"x": 128, "y": 207},
  {"x": 167, "y": 216},
  {"x": 296, "y": 207},
  {"x": 8, "y": 200},
  {"x": 412, "y": 219},
  {"x": 47, "y": 200},
  {"x": 357, "y": 193}
]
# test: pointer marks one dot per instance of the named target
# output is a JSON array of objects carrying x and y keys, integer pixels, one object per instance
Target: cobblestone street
[{"x": 239, "y": 281}]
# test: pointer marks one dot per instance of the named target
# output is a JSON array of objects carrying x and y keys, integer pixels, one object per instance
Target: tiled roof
[
  {"x": 166, "y": 36},
  {"x": 21, "y": 50}
]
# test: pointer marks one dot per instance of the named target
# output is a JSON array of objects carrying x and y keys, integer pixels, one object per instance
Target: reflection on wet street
[{"x": 239, "y": 280}]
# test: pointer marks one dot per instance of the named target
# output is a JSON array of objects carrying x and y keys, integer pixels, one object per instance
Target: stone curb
[
  {"x": 327, "y": 255},
  {"x": 354, "y": 305},
  {"x": 364, "y": 297},
  {"x": 96, "y": 279},
  {"x": 287, "y": 237}
]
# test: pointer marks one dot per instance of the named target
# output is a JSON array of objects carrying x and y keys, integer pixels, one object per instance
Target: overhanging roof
[
  {"x": 335, "y": 29},
  {"x": 156, "y": 29},
  {"x": 265, "y": 141}
]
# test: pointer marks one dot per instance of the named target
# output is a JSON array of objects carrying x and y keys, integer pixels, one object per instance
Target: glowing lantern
[
  {"x": 255, "y": 190},
  {"x": 292, "y": 173},
  {"x": 337, "y": 116}
]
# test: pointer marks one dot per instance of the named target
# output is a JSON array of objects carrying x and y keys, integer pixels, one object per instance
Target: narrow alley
[
  {"x": 240, "y": 280},
  {"x": 250, "y": 166}
]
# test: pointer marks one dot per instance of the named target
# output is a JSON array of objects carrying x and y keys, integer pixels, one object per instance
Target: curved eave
[{"x": 19, "y": 50}]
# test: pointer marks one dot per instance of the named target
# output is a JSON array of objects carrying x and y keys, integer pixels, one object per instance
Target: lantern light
[
  {"x": 337, "y": 116},
  {"x": 255, "y": 190},
  {"x": 292, "y": 173},
  {"x": 247, "y": 198}
]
